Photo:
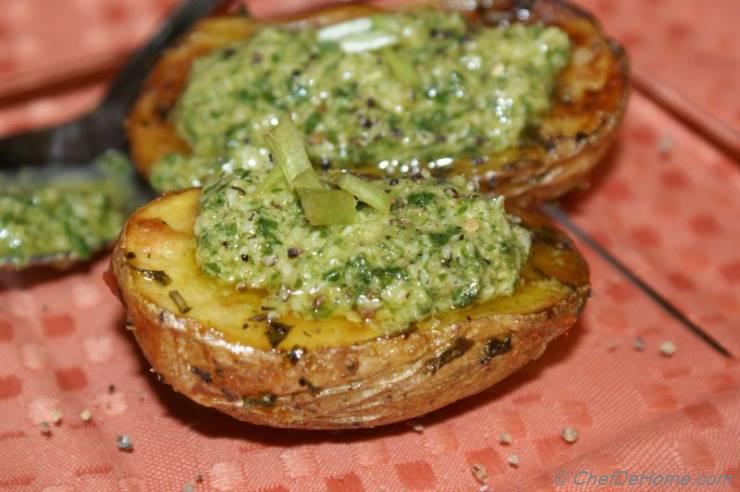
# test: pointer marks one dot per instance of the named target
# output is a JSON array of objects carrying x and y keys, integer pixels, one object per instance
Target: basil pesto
[
  {"x": 64, "y": 213},
  {"x": 401, "y": 91},
  {"x": 440, "y": 247}
]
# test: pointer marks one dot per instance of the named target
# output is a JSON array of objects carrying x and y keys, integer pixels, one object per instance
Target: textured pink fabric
[
  {"x": 690, "y": 45},
  {"x": 666, "y": 204},
  {"x": 669, "y": 212},
  {"x": 63, "y": 343}
]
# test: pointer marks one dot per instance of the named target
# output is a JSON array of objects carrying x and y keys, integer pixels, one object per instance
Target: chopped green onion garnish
[
  {"x": 341, "y": 30},
  {"x": 367, "y": 41},
  {"x": 365, "y": 192},
  {"x": 321, "y": 206},
  {"x": 327, "y": 207},
  {"x": 286, "y": 144},
  {"x": 272, "y": 180},
  {"x": 308, "y": 179},
  {"x": 402, "y": 70}
]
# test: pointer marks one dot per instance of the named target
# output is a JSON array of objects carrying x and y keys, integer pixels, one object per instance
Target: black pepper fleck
[{"x": 276, "y": 332}]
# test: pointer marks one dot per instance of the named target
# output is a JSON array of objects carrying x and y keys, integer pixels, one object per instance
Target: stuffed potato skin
[
  {"x": 330, "y": 379},
  {"x": 589, "y": 101}
]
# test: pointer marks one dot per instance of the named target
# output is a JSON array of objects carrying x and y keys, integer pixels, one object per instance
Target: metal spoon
[{"x": 73, "y": 147}]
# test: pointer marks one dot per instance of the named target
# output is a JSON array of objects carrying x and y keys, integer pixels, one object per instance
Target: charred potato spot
[
  {"x": 334, "y": 374},
  {"x": 458, "y": 349},
  {"x": 314, "y": 390},
  {"x": 589, "y": 100},
  {"x": 495, "y": 346},
  {"x": 205, "y": 376},
  {"x": 352, "y": 366}
]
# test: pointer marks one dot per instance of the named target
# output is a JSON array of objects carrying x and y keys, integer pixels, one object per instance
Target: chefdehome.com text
[{"x": 641, "y": 479}]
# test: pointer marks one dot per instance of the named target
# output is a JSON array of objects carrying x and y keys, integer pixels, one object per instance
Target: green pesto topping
[
  {"x": 64, "y": 214},
  {"x": 401, "y": 91},
  {"x": 441, "y": 247}
]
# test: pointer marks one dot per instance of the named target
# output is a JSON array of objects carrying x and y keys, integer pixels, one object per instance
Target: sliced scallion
[
  {"x": 365, "y": 192},
  {"x": 288, "y": 152},
  {"x": 308, "y": 179},
  {"x": 327, "y": 207},
  {"x": 367, "y": 41},
  {"x": 272, "y": 180},
  {"x": 341, "y": 30}
]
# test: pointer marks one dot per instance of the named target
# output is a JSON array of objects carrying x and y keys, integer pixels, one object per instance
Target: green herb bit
[
  {"x": 179, "y": 301},
  {"x": 443, "y": 237},
  {"x": 158, "y": 276},
  {"x": 365, "y": 192},
  {"x": 327, "y": 207},
  {"x": 420, "y": 199},
  {"x": 465, "y": 296}
]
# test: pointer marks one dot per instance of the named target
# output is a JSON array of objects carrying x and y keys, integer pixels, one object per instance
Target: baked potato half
[
  {"x": 588, "y": 102},
  {"x": 215, "y": 345}
]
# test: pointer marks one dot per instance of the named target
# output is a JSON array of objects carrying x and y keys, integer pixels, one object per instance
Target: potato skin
[
  {"x": 589, "y": 101},
  {"x": 366, "y": 384}
]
